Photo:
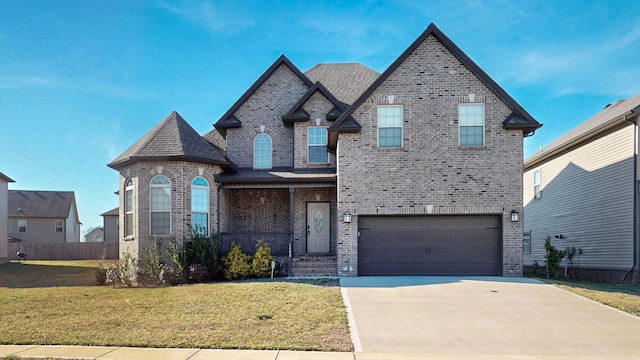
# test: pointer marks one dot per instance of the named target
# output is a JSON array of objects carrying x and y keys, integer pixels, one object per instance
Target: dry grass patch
[
  {"x": 625, "y": 297},
  {"x": 239, "y": 315}
]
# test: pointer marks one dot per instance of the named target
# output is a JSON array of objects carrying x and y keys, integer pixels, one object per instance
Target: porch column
[{"x": 291, "y": 226}]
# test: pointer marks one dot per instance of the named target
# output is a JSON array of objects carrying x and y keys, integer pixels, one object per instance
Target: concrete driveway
[{"x": 484, "y": 316}]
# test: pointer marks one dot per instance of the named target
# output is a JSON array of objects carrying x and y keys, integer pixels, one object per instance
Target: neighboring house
[
  {"x": 344, "y": 171},
  {"x": 43, "y": 216},
  {"x": 95, "y": 235},
  {"x": 111, "y": 224},
  {"x": 582, "y": 191},
  {"x": 4, "y": 233}
]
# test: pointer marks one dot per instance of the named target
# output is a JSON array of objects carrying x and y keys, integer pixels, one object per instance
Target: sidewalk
[{"x": 128, "y": 353}]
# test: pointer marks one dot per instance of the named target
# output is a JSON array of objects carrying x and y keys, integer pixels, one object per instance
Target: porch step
[{"x": 315, "y": 266}]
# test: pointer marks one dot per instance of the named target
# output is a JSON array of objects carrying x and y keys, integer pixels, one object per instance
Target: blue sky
[{"x": 80, "y": 81}]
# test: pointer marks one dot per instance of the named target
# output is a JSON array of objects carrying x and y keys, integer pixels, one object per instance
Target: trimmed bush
[
  {"x": 552, "y": 256},
  {"x": 236, "y": 264},
  {"x": 261, "y": 263}
]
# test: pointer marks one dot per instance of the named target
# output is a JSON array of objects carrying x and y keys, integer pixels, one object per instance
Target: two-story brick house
[{"x": 344, "y": 171}]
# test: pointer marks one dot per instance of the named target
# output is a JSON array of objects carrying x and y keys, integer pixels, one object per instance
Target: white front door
[{"x": 318, "y": 227}]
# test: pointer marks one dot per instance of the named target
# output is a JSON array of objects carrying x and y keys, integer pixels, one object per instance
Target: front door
[{"x": 318, "y": 227}]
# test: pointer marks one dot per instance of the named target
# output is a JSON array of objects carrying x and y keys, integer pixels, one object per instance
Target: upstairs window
[
  {"x": 22, "y": 225},
  {"x": 262, "y": 151},
  {"x": 200, "y": 206},
  {"x": 317, "y": 145},
  {"x": 128, "y": 208},
  {"x": 59, "y": 226},
  {"x": 471, "y": 123},
  {"x": 390, "y": 119},
  {"x": 160, "y": 212},
  {"x": 537, "y": 193}
]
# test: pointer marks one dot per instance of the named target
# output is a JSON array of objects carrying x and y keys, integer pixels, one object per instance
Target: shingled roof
[
  {"x": 297, "y": 113},
  {"x": 519, "y": 119},
  {"x": 345, "y": 81},
  {"x": 610, "y": 116},
  {"x": 172, "y": 139},
  {"x": 40, "y": 204}
]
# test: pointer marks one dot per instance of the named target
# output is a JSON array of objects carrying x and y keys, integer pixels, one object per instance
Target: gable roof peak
[
  {"x": 525, "y": 120},
  {"x": 229, "y": 120}
]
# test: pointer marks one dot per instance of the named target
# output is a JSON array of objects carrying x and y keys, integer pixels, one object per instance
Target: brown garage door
[{"x": 429, "y": 245}]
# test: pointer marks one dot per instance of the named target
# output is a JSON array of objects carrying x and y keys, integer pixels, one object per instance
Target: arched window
[
  {"x": 262, "y": 151},
  {"x": 160, "y": 209},
  {"x": 128, "y": 208},
  {"x": 200, "y": 206}
]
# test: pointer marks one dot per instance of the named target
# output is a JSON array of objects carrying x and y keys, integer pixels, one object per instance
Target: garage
[{"x": 429, "y": 245}]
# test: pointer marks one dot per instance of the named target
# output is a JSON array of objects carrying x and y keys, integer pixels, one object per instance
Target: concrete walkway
[
  {"x": 493, "y": 317},
  {"x": 126, "y": 353}
]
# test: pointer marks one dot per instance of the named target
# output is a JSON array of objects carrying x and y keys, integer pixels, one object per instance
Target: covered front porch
[{"x": 294, "y": 212}]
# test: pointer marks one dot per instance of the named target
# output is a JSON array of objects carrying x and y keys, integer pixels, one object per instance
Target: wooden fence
[{"x": 65, "y": 251}]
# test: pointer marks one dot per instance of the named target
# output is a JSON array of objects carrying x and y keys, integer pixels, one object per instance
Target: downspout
[
  {"x": 218, "y": 210},
  {"x": 635, "y": 195}
]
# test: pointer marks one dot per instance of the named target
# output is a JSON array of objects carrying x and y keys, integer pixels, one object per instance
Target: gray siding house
[
  {"x": 4, "y": 203},
  {"x": 43, "y": 216},
  {"x": 111, "y": 225},
  {"x": 344, "y": 171},
  {"x": 582, "y": 191}
]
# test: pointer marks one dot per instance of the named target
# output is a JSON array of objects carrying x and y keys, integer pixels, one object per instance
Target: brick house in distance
[{"x": 344, "y": 171}]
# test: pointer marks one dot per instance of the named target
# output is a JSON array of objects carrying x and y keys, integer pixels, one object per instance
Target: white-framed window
[
  {"x": 160, "y": 207},
  {"x": 471, "y": 124},
  {"x": 22, "y": 225},
  {"x": 390, "y": 120},
  {"x": 59, "y": 225},
  {"x": 200, "y": 206},
  {"x": 128, "y": 208},
  {"x": 526, "y": 242},
  {"x": 537, "y": 192},
  {"x": 317, "y": 152},
  {"x": 262, "y": 148},
  {"x": 10, "y": 226}
]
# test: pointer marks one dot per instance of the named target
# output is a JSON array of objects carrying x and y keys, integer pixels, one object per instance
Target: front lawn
[{"x": 237, "y": 315}]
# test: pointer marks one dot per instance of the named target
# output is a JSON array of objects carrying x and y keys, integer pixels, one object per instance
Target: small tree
[
  {"x": 261, "y": 263},
  {"x": 236, "y": 264},
  {"x": 553, "y": 257}
]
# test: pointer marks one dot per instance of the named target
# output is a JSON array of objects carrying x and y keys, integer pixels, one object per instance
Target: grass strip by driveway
[
  {"x": 625, "y": 297},
  {"x": 239, "y": 315}
]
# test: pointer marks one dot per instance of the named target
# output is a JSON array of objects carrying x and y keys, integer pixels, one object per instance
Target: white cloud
[
  {"x": 19, "y": 81},
  {"x": 207, "y": 16}
]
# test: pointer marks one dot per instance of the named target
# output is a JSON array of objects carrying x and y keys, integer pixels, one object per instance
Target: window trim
[
  {"x": 61, "y": 227},
  {"x": 526, "y": 242},
  {"x": 22, "y": 229},
  {"x": 208, "y": 205},
  {"x": 129, "y": 228},
  {"x": 537, "y": 180},
  {"x": 390, "y": 127},
  {"x": 151, "y": 211},
  {"x": 270, "y": 151},
  {"x": 9, "y": 226},
  {"x": 326, "y": 138},
  {"x": 460, "y": 125}
]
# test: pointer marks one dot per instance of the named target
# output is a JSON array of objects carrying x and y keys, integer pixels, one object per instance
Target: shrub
[
  {"x": 261, "y": 263},
  {"x": 552, "y": 256},
  {"x": 150, "y": 267},
  {"x": 113, "y": 275},
  {"x": 123, "y": 272},
  {"x": 236, "y": 264},
  {"x": 197, "y": 250},
  {"x": 171, "y": 275},
  {"x": 101, "y": 275},
  {"x": 198, "y": 273}
]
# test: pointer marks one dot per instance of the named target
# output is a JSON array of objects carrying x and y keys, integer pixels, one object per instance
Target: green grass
[
  {"x": 270, "y": 314},
  {"x": 625, "y": 297}
]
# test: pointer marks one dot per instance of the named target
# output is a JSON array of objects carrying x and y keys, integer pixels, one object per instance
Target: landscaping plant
[
  {"x": 553, "y": 257},
  {"x": 236, "y": 264},
  {"x": 261, "y": 262}
]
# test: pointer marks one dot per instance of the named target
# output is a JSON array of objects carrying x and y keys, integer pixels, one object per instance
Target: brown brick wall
[
  {"x": 180, "y": 174},
  {"x": 317, "y": 106},
  {"x": 431, "y": 169},
  {"x": 265, "y": 107}
]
